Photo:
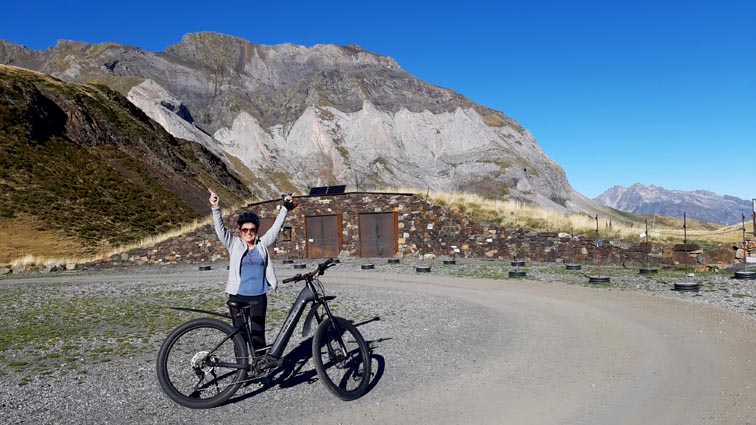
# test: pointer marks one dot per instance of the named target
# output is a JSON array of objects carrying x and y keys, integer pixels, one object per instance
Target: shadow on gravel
[
  {"x": 374, "y": 319},
  {"x": 290, "y": 373},
  {"x": 377, "y": 365}
]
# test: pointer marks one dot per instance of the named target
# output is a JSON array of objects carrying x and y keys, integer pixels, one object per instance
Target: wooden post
[
  {"x": 745, "y": 247},
  {"x": 648, "y": 247},
  {"x": 598, "y": 246},
  {"x": 685, "y": 244}
]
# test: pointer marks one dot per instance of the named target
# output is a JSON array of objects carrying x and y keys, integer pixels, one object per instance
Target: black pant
[{"x": 257, "y": 311}]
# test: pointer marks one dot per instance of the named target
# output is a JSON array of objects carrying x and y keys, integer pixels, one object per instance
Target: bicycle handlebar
[{"x": 322, "y": 267}]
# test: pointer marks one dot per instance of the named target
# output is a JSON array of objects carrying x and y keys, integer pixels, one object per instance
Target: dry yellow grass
[
  {"x": 70, "y": 252},
  {"x": 517, "y": 214},
  {"x": 728, "y": 234},
  {"x": 24, "y": 234}
]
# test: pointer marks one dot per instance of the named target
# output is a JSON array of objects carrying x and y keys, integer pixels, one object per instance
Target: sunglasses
[{"x": 248, "y": 229}]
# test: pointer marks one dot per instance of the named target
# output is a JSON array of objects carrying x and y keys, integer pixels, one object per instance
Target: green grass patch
[{"x": 53, "y": 327}]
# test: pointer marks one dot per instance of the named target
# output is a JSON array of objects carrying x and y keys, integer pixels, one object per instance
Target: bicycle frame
[{"x": 308, "y": 294}]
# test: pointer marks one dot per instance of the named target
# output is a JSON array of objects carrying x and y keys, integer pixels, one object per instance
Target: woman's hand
[
  {"x": 289, "y": 203},
  {"x": 214, "y": 200}
]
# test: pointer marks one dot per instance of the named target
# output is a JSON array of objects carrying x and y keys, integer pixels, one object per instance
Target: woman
[{"x": 250, "y": 271}]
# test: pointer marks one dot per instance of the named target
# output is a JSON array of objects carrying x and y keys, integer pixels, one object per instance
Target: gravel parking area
[{"x": 80, "y": 347}]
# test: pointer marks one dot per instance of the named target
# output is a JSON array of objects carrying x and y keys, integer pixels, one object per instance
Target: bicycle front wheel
[
  {"x": 343, "y": 369},
  {"x": 199, "y": 366}
]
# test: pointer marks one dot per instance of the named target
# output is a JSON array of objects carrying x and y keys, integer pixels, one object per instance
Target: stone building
[
  {"x": 404, "y": 225},
  {"x": 376, "y": 224}
]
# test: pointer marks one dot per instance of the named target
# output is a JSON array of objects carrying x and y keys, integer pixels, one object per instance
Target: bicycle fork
[
  {"x": 337, "y": 334},
  {"x": 313, "y": 314}
]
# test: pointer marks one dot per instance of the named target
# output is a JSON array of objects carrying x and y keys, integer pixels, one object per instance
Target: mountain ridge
[
  {"x": 339, "y": 113},
  {"x": 699, "y": 204}
]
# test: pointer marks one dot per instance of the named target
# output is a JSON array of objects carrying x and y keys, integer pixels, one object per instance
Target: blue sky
[{"x": 656, "y": 92}]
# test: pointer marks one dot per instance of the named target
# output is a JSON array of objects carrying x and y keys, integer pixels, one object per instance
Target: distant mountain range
[{"x": 699, "y": 204}]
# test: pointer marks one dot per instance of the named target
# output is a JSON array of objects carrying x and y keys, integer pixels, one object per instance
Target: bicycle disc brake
[{"x": 201, "y": 362}]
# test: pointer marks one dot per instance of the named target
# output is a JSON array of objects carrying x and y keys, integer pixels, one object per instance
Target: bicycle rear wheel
[
  {"x": 345, "y": 374},
  {"x": 189, "y": 363}
]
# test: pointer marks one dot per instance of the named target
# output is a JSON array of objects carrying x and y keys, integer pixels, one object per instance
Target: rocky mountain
[
  {"x": 288, "y": 117},
  {"x": 82, "y": 166},
  {"x": 700, "y": 204}
]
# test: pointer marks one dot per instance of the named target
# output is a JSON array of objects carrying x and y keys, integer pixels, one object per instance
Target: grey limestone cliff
[{"x": 289, "y": 117}]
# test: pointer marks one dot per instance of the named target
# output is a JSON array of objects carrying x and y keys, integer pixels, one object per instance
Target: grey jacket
[{"x": 237, "y": 247}]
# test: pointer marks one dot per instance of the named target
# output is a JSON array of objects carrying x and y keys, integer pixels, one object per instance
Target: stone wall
[{"x": 416, "y": 238}]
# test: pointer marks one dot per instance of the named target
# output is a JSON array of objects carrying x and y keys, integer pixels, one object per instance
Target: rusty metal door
[
  {"x": 323, "y": 236},
  {"x": 378, "y": 234}
]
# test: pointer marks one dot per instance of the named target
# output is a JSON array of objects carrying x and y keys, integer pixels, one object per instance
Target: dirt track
[{"x": 584, "y": 356}]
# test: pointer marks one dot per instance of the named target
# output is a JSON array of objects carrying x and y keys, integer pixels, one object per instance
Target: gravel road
[{"x": 446, "y": 350}]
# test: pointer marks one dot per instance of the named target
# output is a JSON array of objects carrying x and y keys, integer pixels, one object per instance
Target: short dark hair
[{"x": 248, "y": 217}]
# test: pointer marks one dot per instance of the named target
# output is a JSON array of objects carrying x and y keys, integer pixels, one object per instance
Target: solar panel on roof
[
  {"x": 336, "y": 190},
  {"x": 316, "y": 191},
  {"x": 327, "y": 190}
]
